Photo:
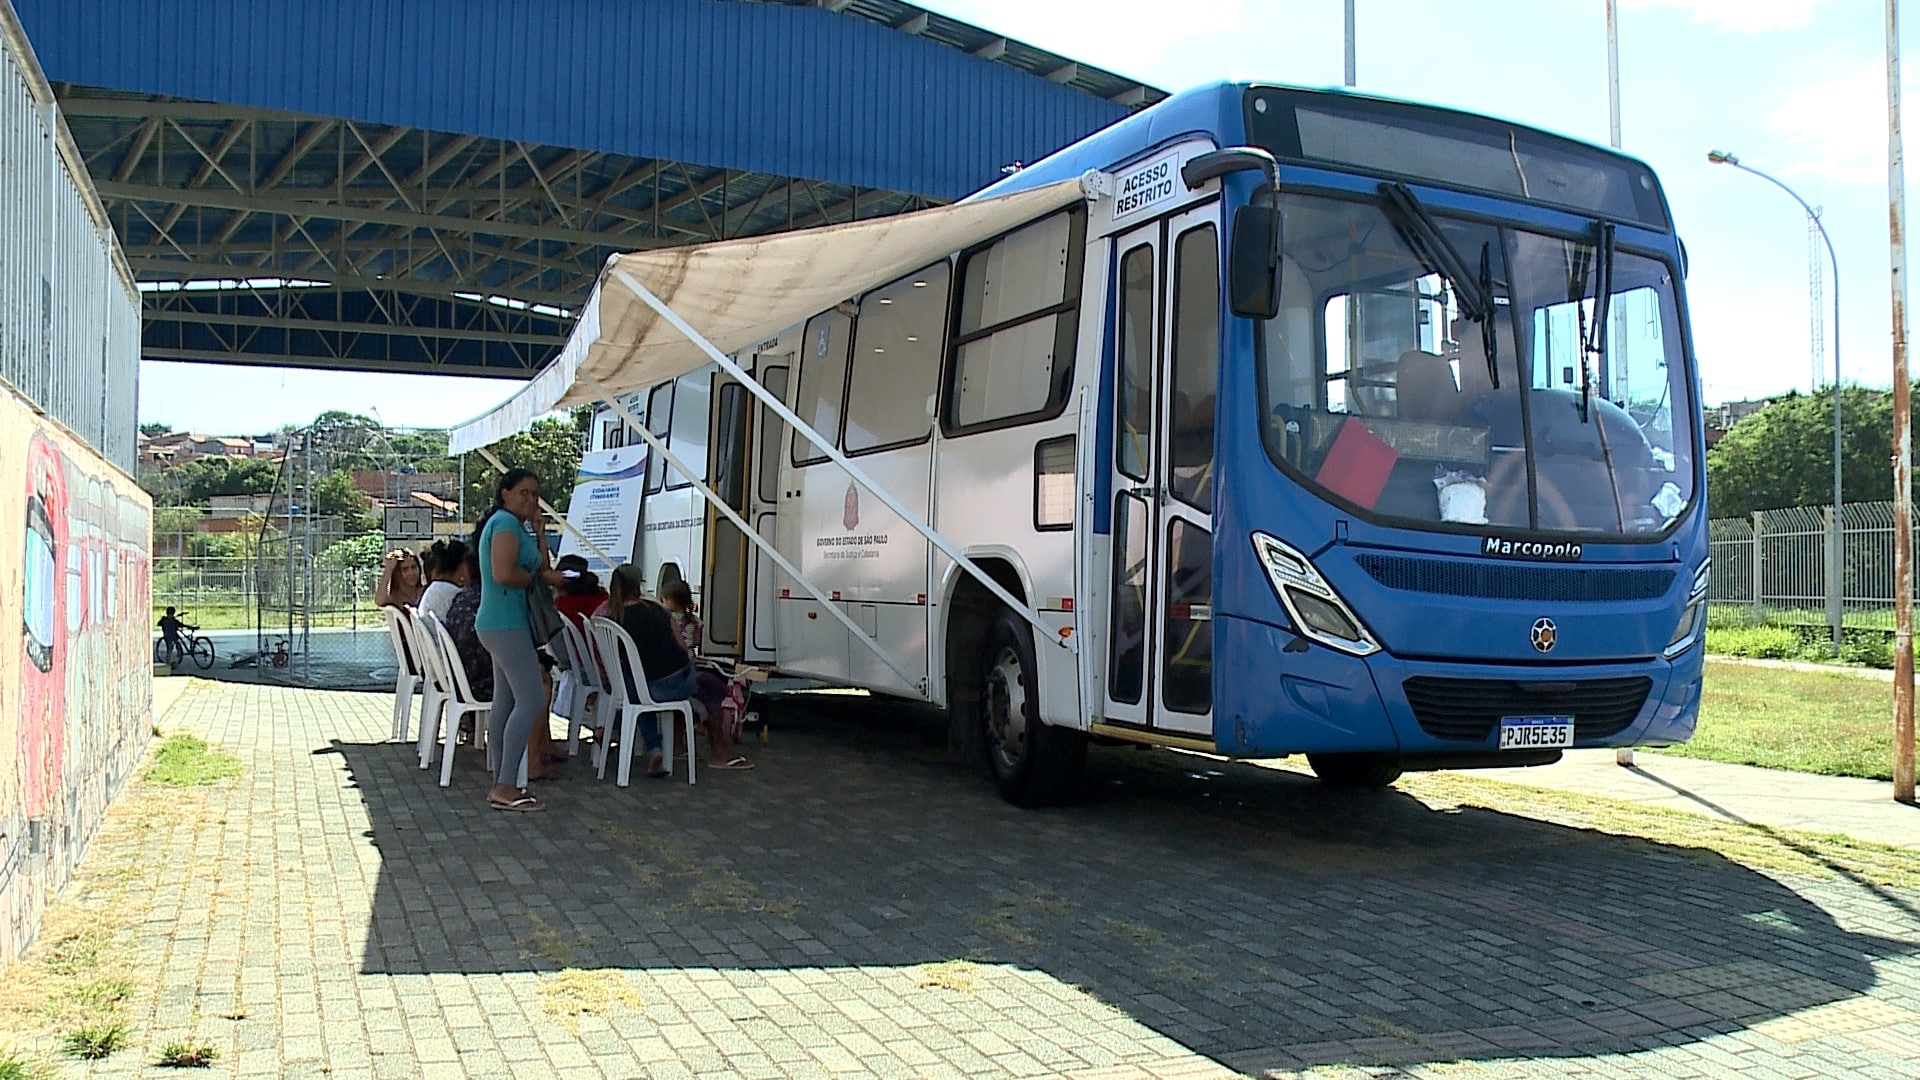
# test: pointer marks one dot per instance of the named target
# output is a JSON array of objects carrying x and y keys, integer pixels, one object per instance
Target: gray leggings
[{"x": 519, "y": 699}]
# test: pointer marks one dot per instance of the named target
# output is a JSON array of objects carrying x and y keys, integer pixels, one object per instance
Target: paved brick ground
[{"x": 860, "y": 905}]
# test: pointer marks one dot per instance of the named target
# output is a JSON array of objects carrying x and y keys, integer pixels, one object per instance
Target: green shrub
[
  {"x": 1867, "y": 648},
  {"x": 1815, "y": 649},
  {"x": 1758, "y": 642}
]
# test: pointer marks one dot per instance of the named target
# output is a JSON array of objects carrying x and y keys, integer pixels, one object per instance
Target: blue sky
[{"x": 1794, "y": 87}]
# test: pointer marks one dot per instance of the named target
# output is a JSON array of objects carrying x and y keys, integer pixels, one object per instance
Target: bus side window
[
  {"x": 767, "y": 450},
  {"x": 896, "y": 361},
  {"x": 1018, "y": 321},
  {"x": 823, "y": 382},
  {"x": 659, "y": 413},
  {"x": 1196, "y": 366},
  {"x": 1133, "y": 410},
  {"x": 727, "y": 473},
  {"x": 689, "y": 425}
]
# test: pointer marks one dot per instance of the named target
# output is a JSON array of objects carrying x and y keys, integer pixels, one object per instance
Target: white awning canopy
[{"x": 737, "y": 293}]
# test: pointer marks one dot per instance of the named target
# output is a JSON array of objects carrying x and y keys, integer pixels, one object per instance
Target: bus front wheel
[
  {"x": 1033, "y": 763},
  {"x": 1355, "y": 770}
]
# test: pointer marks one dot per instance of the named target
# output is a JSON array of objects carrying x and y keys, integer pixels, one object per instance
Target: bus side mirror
[{"x": 1253, "y": 263}]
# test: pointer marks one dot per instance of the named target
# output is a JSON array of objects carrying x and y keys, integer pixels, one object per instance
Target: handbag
[{"x": 543, "y": 617}]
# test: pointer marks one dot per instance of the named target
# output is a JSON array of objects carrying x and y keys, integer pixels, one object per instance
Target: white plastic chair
[
  {"x": 622, "y": 656},
  {"x": 579, "y": 682},
  {"x": 410, "y": 674},
  {"x": 460, "y": 700},
  {"x": 433, "y": 689}
]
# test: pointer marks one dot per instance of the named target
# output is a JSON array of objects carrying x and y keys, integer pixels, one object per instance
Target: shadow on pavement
[{"x": 1245, "y": 913}]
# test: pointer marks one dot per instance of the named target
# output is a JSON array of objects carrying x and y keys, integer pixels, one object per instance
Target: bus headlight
[
  {"x": 1317, "y": 611},
  {"x": 1693, "y": 621}
]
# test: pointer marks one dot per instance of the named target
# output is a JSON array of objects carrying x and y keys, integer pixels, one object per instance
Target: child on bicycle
[{"x": 170, "y": 628}]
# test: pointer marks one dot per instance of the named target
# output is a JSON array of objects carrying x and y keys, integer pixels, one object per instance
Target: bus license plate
[{"x": 1535, "y": 732}]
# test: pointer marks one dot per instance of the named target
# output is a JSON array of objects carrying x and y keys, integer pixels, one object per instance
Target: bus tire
[
  {"x": 1355, "y": 771},
  {"x": 1033, "y": 763}
]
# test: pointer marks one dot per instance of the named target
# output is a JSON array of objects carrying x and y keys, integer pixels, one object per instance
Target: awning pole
[
  {"x": 761, "y": 542},
  {"x": 825, "y": 445},
  {"x": 552, "y": 514}
]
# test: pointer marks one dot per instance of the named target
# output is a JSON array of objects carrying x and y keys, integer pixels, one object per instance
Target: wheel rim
[{"x": 1006, "y": 709}]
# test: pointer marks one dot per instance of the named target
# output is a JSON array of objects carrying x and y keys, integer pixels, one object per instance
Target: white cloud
[
  {"x": 1838, "y": 128},
  {"x": 1740, "y": 15}
]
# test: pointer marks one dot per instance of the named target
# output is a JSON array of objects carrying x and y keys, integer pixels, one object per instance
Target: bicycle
[
  {"x": 278, "y": 656},
  {"x": 191, "y": 643}
]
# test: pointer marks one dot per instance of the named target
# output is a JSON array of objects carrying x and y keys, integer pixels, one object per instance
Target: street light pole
[
  {"x": 1352, "y": 70},
  {"x": 1624, "y": 755},
  {"x": 1835, "y": 565}
]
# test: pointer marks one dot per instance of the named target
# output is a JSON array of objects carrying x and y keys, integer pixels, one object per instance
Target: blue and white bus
[{"x": 1323, "y": 424}]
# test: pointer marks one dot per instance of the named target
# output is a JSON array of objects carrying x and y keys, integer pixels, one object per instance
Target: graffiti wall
[{"x": 76, "y": 685}]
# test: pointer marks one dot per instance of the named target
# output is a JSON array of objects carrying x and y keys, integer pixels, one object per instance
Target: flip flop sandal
[
  {"x": 525, "y": 804},
  {"x": 738, "y": 763}
]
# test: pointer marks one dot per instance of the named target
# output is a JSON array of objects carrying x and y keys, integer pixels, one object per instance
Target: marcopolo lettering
[{"x": 1529, "y": 549}]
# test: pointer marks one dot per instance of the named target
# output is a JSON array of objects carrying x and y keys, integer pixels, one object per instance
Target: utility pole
[
  {"x": 1902, "y": 432},
  {"x": 1351, "y": 69},
  {"x": 1624, "y": 755}
]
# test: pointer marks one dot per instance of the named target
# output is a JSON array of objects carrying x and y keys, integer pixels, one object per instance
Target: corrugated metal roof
[{"x": 776, "y": 87}]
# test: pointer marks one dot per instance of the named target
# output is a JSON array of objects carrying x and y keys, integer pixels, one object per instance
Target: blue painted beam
[{"x": 792, "y": 91}]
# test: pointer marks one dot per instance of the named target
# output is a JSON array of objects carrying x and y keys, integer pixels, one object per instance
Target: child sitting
[{"x": 710, "y": 688}]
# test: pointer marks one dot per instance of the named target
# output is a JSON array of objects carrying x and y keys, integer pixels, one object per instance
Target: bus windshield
[{"x": 1547, "y": 392}]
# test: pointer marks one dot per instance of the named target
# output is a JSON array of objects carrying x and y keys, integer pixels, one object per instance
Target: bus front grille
[
  {"x": 1470, "y": 709},
  {"x": 1495, "y": 581}
]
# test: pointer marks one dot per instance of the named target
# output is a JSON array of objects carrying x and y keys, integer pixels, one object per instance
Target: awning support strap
[
  {"x": 825, "y": 445},
  {"x": 713, "y": 499}
]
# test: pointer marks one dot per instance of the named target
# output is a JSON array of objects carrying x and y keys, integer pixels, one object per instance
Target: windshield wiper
[
  {"x": 1596, "y": 335},
  {"x": 1489, "y": 337},
  {"x": 1423, "y": 235},
  {"x": 1432, "y": 247}
]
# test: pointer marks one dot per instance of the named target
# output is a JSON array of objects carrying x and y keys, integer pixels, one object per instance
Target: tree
[
  {"x": 551, "y": 448},
  {"x": 152, "y": 428},
  {"x": 192, "y": 483},
  {"x": 334, "y": 495},
  {"x": 1783, "y": 454}
]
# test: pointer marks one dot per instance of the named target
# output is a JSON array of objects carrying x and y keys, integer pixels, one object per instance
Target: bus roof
[{"x": 1455, "y": 142}]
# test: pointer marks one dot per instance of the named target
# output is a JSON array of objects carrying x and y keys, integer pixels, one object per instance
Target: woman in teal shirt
[{"x": 509, "y": 558}]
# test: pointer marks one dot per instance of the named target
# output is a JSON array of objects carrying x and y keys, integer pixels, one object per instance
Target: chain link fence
[{"x": 1775, "y": 563}]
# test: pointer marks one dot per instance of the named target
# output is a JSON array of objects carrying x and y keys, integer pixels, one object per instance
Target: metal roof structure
[{"x": 433, "y": 185}]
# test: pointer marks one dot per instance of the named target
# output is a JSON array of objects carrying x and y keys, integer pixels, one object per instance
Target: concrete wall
[{"x": 76, "y": 676}]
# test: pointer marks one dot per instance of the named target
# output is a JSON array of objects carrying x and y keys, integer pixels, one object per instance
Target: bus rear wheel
[
  {"x": 1033, "y": 763},
  {"x": 1355, "y": 771}
]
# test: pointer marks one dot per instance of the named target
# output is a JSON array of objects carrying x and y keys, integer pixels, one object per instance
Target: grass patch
[
  {"x": 186, "y": 761},
  {"x": 658, "y": 862},
  {"x": 1832, "y": 724},
  {"x": 14, "y": 1066},
  {"x": 181, "y": 1054},
  {"x": 959, "y": 976},
  {"x": 96, "y": 1039},
  {"x": 574, "y": 992},
  {"x": 1757, "y": 847},
  {"x": 552, "y": 946}
]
